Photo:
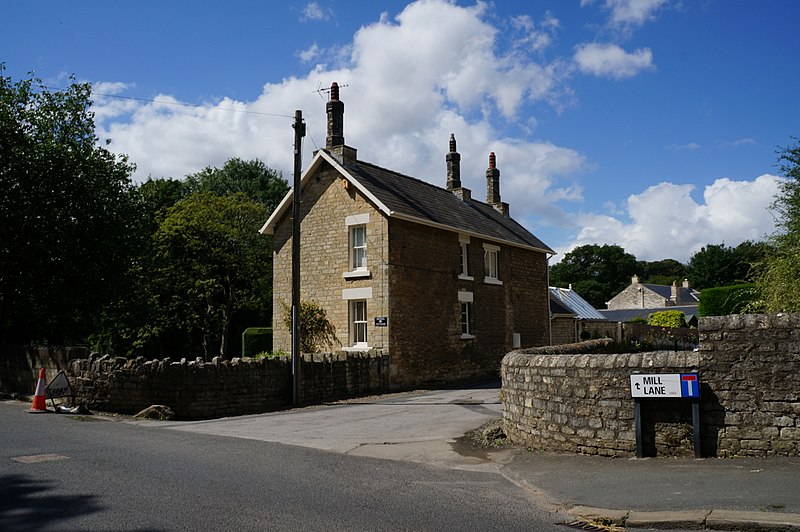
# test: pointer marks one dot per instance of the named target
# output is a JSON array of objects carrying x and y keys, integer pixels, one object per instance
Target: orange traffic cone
[{"x": 39, "y": 404}]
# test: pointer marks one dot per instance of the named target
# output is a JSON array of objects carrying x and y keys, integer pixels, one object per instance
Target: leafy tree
[
  {"x": 252, "y": 178},
  {"x": 210, "y": 262},
  {"x": 719, "y": 265},
  {"x": 67, "y": 210},
  {"x": 662, "y": 272},
  {"x": 778, "y": 278},
  {"x": 595, "y": 272}
]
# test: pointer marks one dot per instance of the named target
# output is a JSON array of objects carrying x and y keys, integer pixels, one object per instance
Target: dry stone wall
[
  {"x": 200, "y": 390},
  {"x": 750, "y": 394}
]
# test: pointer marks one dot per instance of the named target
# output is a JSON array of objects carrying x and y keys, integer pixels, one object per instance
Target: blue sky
[{"x": 652, "y": 124}]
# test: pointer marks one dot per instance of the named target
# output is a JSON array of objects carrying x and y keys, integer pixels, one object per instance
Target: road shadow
[{"x": 26, "y": 504}]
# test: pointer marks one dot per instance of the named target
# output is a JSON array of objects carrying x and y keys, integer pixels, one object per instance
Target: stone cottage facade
[
  {"x": 440, "y": 283},
  {"x": 638, "y": 295}
]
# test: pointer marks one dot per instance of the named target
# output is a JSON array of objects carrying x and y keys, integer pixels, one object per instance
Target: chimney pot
[
  {"x": 493, "y": 184},
  {"x": 334, "y": 91},
  {"x": 453, "y": 166}
]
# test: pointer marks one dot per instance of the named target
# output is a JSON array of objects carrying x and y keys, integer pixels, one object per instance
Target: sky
[{"x": 650, "y": 124}]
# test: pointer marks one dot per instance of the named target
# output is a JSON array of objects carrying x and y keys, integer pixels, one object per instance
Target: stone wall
[
  {"x": 750, "y": 394},
  {"x": 198, "y": 390},
  {"x": 19, "y": 366}
]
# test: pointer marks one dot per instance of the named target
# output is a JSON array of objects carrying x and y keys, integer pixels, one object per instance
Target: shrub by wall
[{"x": 750, "y": 395}]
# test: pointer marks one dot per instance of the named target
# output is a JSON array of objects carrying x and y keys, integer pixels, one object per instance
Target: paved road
[{"x": 62, "y": 472}]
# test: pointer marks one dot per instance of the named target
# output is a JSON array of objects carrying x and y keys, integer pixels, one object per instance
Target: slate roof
[
  {"x": 684, "y": 294},
  {"x": 574, "y": 303},
  {"x": 627, "y": 314},
  {"x": 425, "y": 202},
  {"x": 557, "y": 307}
]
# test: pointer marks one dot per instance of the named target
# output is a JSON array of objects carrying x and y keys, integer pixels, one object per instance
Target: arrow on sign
[{"x": 637, "y": 386}]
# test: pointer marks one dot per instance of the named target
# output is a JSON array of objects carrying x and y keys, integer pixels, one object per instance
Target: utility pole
[{"x": 299, "y": 133}]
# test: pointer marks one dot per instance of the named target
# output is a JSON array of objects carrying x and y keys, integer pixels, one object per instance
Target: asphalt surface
[
  {"x": 63, "y": 472},
  {"x": 424, "y": 427}
]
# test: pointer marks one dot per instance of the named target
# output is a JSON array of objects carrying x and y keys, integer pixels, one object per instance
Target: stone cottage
[
  {"x": 639, "y": 300},
  {"x": 442, "y": 284}
]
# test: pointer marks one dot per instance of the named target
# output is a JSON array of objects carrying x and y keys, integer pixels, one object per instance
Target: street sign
[
  {"x": 381, "y": 321},
  {"x": 669, "y": 385}
]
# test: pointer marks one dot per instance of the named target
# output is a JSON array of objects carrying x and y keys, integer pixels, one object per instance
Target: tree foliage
[
  {"x": 595, "y": 272},
  {"x": 662, "y": 272},
  {"x": 721, "y": 265},
  {"x": 724, "y": 300},
  {"x": 67, "y": 214},
  {"x": 252, "y": 178},
  {"x": 210, "y": 262},
  {"x": 778, "y": 277}
]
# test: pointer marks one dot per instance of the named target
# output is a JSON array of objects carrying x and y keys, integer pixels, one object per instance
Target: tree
[
  {"x": 662, "y": 272},
  {"x": 252, "y": 178},
  {"x": 316, "y": 331},
  {"x": 778, "y": 278},
  {"x": 210, "y": 262},
  {"x": 595, "y": 272},
  {"x": 66, "y": 212},
  {"x": 719, "y": 265}
]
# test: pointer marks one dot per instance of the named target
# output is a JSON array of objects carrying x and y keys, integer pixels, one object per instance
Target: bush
[
  {"x": 316, "y": 332},
  {"x": 256, "y": 340},
  {"x": 268, "y": 355},
  {"x": 667, "y": 318},
  {"x": 726, "y": 300},
  {"x": 638, "y": 319}
]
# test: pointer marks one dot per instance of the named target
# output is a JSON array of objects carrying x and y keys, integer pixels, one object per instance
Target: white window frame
[
  {"x": 465, "y": 300},
  {"x": 463, "y": 241},
  {"x": 358, "y": 323},
  {"x": 491, "y": 264},
  {"x": 354, "y": 224}
]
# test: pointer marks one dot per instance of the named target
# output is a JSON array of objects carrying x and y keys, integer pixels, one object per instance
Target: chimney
[
  {"x": 453, "y": 166},
  {"x": 335, "y": 110},
  {"x": 673, "y": 297},
  {"x": 635, "y": 279},
  {"x": 334, "y": 144},
  {"x": 493, "y": 186},
  {"x": 686, "y": 284}
]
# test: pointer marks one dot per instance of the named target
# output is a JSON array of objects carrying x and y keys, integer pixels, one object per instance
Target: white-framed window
[
  {"x": 466, "y": 320},
  {"x": 465, "y": 300},
  {"x": 357, "y": 238},
  {"x": 358, "y": 323},
  {"x": 463, "y": 241},
  {"x": 491, "y": 264}
]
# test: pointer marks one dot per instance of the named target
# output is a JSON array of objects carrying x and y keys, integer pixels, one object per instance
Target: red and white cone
[{"x": 39, "y": 400}]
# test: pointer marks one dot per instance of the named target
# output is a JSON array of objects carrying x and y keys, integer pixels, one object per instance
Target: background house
[
  {"x": 639, "y": 300},
  {"x": 443, "y": 284}
]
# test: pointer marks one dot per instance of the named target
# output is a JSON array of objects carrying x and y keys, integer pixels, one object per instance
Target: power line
[{"x": 189, "y": 105}]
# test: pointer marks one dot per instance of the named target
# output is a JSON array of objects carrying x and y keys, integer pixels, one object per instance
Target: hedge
[
  {"x": 726, "y": 300},
  {"x": 256, "y": 340}
]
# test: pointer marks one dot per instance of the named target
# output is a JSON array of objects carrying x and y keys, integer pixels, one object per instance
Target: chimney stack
[
  {"x": 453, "y": 159},
  {"x": 493, "y": 186},
  {"x": 335, "y": 110},
  {"x": 334, "y": 144}
]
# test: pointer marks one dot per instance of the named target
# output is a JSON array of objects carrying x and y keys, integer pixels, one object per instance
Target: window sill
[
  {"x": 358, "y": 274},
  {"x": 467, "y": 337},
  {"x": 463, "y": 277},
  {"x": 356, "y": 348},
  {"x": 491, "y": 280}
]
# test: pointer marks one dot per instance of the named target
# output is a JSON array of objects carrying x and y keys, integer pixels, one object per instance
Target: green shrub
[
  {"x": 266, "y": 354},
  {"x": 726, "y": 300},
  {"x": 316, "y": 332},
  {"x": 256, "y": 340},
  {"x": 667, "y": 318},
  {"x": 638, "y": 319}
]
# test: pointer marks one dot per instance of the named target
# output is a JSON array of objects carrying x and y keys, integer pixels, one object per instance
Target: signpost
[
  {"x": 666, "y": 386},
  {"x": 58, "y": 387}
]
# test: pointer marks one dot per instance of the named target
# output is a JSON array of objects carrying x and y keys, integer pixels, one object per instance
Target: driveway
[{"x": 415, "y": 426}]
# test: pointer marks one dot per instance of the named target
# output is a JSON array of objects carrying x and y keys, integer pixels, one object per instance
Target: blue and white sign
[{"x": 665, "y": 385}]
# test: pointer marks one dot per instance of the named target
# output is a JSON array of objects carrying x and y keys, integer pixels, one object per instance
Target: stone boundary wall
[
  {"x": 19, "y": 365},
  {"x": 201, "y": 390},
  {"x": 750, "y": 395}
]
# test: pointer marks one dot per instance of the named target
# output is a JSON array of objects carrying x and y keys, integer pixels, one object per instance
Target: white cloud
[
  {"x": 309, "y": 54},
  {"x": 433, "y": 70},
  {"x": 692, "y": 146},
  {"x": 629, "y": 13},
  {"x": 665, "y": 221},
  {"x": 313, "y": 11},
  {"x": 611, "y": 61}
]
